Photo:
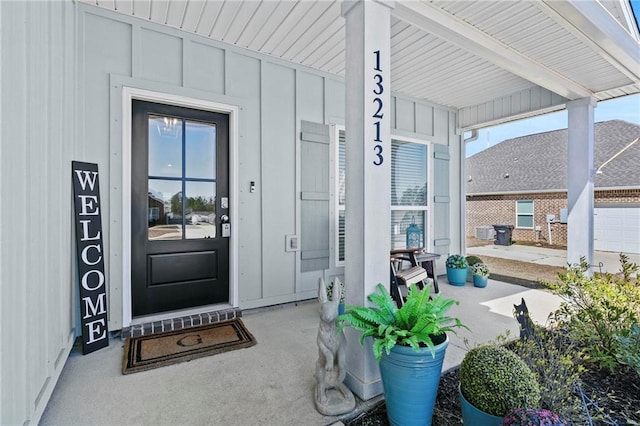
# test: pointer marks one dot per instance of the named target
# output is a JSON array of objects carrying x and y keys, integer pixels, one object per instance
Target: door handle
[{"x": 224, "y": 219}]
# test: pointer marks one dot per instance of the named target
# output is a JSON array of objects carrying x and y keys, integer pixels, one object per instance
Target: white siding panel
[
  {"x": 311, "y": 99},
  {"x": 405, "y": 115},
  {"x": 278, "y": 177},
  {"x": 37, "y": 130},
  {"x": 243, "y": 81},
  {"x": 157, "y": 57},
  {"x": 424, "y": 119},
  {"x": 206, "y": 67},
  {"x": 334, "y": 93}
]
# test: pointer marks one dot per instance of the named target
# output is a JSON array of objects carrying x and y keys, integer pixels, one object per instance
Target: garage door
[{"x": 617, "y": 229}]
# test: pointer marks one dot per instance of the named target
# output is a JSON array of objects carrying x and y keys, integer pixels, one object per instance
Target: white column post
[
  {"x": 580, "y": 152},
  {"x": 368, "y": 172}
]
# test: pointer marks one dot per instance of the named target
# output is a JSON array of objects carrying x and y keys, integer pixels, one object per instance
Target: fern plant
[{"x": 415, "y": 324}]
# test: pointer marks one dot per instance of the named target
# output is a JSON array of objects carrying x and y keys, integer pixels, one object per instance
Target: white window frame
[
  {"x": 532, "y": 214},
  {"x": 337, "y": 207}
]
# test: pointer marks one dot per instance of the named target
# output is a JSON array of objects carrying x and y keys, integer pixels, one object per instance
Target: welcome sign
[{"x": 93, "y": 294}]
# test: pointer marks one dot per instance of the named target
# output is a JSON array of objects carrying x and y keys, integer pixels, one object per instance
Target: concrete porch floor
[{"x": 268, "y": 384}]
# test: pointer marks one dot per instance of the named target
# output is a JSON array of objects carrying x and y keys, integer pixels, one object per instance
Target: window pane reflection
[
  {"x": 165, "y": 146},
  {"x": 408, "y": 174},
  {"x": 165, "y": 209},
  {"x": 200, "y": 210},
  {"x": 400, "y": 221},
  {"x": 200, "y": 150}
]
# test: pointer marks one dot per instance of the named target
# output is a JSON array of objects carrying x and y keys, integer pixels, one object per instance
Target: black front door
[{"x": 179, "y": 208}]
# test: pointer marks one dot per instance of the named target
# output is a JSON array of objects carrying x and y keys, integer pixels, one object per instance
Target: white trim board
[{"x": 129, "y": 94}]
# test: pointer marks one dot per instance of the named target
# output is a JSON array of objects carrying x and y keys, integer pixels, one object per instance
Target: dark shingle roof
[{"x": 539, "y": 162}]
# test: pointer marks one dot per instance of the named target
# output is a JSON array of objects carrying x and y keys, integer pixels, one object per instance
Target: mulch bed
[{"x": 617, "y": 394}]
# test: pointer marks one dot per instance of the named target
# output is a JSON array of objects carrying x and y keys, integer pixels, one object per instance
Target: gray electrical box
[{"x": 563, "y": 215}]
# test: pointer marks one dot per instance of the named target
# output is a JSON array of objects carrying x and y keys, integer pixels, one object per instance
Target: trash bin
[{"x": 503, "y": 234}]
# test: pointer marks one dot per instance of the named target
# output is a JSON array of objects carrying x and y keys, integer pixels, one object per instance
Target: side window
[
  {"x": 524, "y": 214},
  {"x": 409, "y": 208},
  {"x": 409, "y": 193}
]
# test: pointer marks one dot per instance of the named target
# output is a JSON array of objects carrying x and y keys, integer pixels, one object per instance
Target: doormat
[{"x": 158, "y": 350}]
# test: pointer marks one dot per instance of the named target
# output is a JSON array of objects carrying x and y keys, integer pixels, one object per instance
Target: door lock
[{"x": 226, "y": 226}]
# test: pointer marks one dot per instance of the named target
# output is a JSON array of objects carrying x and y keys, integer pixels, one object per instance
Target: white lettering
[
  {"x": 85, "y": 280},
  {"x": 85, "y": 257},
  {"x": 87, "y": 201},
  {"x": 85, "y": 231},
  {"x": 91, "y": 309},
  {"x": 89, "y": 178},
  {"x": 95, "y": 329}
]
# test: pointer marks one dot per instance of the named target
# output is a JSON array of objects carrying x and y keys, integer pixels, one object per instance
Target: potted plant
[
  {"x": 480, "y": 272},
  {"x": 494, "y": 381},
  {"x": 409, "y": 343},
  {"x": 532, "y": 416},
  {"x": 457, "y": 269},
  {"x": 472, "y": 260}
]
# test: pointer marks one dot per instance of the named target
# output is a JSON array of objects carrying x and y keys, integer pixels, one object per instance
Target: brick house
[{"x": 522, "y": 180}]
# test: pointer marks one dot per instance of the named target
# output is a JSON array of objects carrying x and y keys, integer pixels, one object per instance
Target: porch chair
[{"x": 401, "y": 279}]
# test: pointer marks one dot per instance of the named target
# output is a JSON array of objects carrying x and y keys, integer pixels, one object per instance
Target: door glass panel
[
  {"x": 165, "y": 146},
  {"x": 164, "y": 203},
  {"x": 200, "y": 210},
  {"x": 200, "y": 150}
]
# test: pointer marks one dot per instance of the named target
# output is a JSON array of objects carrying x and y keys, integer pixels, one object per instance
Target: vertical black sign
[{"x": 93, "y": 294}]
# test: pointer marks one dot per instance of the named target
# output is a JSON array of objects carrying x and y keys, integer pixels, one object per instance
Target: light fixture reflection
[{"x": 167, "y": 126}]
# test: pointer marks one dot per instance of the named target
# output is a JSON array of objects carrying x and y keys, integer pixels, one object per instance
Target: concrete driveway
[{"x": 603, "y": 260}]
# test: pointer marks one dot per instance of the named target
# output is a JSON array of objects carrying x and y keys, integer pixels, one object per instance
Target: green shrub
[
  {"x": 496, "y": 380},
  {"x": 472, "y": 260},
  {"x": 597, "y": 308},
  {"x": 628, "y": 351},
  {"x": 552, "y": 357},
  {"x": 456, "y": 261}
]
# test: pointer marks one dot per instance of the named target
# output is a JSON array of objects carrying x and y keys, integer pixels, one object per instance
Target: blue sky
[{"x": 626, "y": 108}]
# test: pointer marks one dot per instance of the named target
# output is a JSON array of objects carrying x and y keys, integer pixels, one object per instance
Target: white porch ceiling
[{"x": 452, "y": 52}]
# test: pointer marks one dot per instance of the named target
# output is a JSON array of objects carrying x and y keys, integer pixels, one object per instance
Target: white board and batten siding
[
  {"x": 61, "y": 100},
  {"x": 411, "y": 119},
  {"x": 617, "y": 229},
  {"x": 38, "y": 107}
]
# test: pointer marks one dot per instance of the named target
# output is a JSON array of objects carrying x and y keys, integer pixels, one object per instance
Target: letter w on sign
[{"x": 89, "y": 253}]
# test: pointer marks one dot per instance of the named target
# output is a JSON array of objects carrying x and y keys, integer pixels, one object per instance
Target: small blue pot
[
  {"x": 480, "y": 281},
  {"x": 457, "y": 276},
  {"x": 410, "y": 380},
  {"x": 474, "y": 416}
]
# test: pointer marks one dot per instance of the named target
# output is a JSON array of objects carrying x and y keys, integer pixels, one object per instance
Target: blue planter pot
[
  {"x": 474, "y": 416},
  {"x": 410, "y": 380},
  {"x": 480, "y": 281},
  {"x": 457, "y": 277}
]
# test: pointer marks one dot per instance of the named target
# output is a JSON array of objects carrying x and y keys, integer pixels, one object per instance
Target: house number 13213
[{"x": 378, "y": 106}]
